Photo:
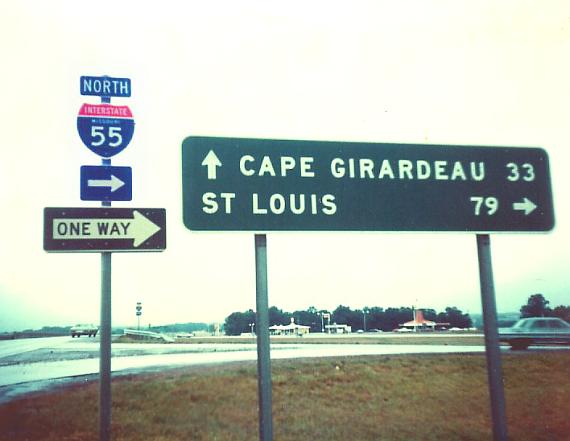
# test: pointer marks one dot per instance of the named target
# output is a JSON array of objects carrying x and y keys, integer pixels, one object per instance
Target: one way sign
[
  {"x": 104, "y": 229},
  {"x": 106, "y": 183}
]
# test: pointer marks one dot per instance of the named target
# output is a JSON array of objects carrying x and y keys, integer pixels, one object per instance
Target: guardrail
[{"x": 149, "y": 335}]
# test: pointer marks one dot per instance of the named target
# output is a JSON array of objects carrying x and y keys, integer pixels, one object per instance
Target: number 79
[{"x": 490, "y": 202}]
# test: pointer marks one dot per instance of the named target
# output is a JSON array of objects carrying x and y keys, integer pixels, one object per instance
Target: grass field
[{"x": 430, "y": 397}]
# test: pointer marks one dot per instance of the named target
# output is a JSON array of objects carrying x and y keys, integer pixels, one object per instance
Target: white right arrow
[
  {"x": 115, "y": 183},
  {"x": 211, "y": 161},
  {"x": 526, "y": 205}
]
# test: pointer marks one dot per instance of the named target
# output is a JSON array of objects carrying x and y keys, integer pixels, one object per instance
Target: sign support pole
[
  {"x": 105, "y": 401},
  {"x": 105, "y": 350},
  {"x": 492, "y": 349},
  {"x": 263, "y": 347}
]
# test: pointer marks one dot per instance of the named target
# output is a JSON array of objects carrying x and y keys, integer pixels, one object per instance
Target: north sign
[
  {"x": 236, "y": 184},
  {"x": 105, "y": 129},
  {"x": 106, "y": 183},
  {"x": 105, "y": 86},
  {"x": 104, "y": 229}
]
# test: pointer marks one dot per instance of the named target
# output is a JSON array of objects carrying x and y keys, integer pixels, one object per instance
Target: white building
[
  {"x": 290, "y": 329},
  {"x": 338, "y": 329}
]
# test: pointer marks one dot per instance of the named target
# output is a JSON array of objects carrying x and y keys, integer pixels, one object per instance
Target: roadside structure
[
  {"x": 290, "y": 329},
  {"x": 419, "y": 323},
  {"x": 338, "y": 329}
]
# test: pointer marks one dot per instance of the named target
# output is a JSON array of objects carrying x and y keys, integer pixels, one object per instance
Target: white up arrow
[
  {"x": 115, "y": 183},
  {"x": 139, "y": 228},
  {"x": 211, "y": 161},
  {"x": 526, "y": 205}
]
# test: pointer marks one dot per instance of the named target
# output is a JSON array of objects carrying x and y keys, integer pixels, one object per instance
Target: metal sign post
[
  {"x": 105, "y": 397},
  {"x": 263, "y": 347},
  {"x": 492, "y": 349},
  {"x": 105, "y": 350}
]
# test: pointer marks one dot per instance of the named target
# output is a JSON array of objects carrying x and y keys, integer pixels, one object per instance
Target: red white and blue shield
[{"x": 105, "y": 129}]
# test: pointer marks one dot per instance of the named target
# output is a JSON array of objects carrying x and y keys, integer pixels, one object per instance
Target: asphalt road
[{"x": 15, "y": 347}]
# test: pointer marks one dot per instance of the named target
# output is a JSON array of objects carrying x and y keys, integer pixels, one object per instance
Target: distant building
[
  {"x": 419, "y": 323},
  {"x": 338, "y": 329},
  {"x": 290, "y": 329}
]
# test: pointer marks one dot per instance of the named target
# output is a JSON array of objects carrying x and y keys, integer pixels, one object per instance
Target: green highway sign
[
  {"x": 237, "y": 184},
  {"x": 104, "y": 229}
]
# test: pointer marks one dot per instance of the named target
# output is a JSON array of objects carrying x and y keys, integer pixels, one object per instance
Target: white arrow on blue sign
[{"x": 106, "y": 183}]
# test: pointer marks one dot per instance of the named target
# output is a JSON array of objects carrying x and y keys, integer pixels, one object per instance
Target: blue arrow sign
[{"x": 106, "y": 183}]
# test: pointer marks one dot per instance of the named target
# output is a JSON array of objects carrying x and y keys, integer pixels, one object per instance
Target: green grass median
[{"x": 428, "y": 397}]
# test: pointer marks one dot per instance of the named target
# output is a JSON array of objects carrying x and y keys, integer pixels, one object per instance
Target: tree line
[
  {"x": 367, "y": 318},
  {"x": 537, "y": 306}
]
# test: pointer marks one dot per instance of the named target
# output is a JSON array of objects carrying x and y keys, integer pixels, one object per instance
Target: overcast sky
[{"x": 433, "y": 72}]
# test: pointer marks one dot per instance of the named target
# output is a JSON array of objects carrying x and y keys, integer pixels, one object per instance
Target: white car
[
  {"x": 83, "y": 329},
  {"x": 536, "y": 331}
]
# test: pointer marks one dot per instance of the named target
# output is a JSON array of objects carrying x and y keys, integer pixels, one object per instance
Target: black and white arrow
[
  {"x": 138, "y": 228},
  {"x": 113, "y": 182},
  {"x": 526, "y": 205}
]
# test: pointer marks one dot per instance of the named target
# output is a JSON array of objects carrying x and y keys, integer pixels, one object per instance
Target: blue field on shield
[
  {"x": 105, "y": 137},
  {"x": 106, "y": 183}
]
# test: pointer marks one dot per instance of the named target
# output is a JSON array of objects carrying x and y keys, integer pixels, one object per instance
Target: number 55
[{"x": 98, "y": 135}]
